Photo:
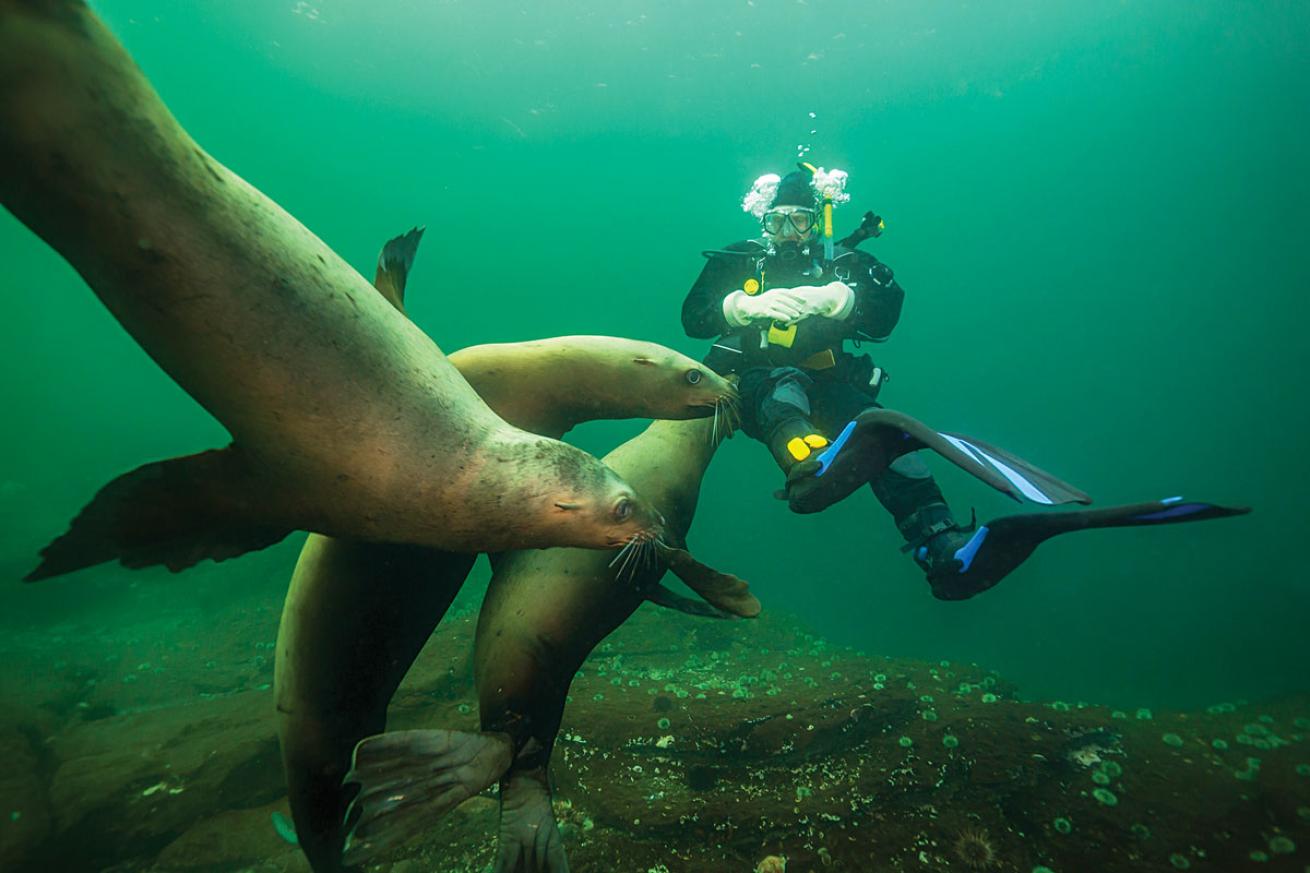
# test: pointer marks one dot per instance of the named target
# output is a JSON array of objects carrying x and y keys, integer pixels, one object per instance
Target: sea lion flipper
[
  {"x": 394, "y": 263},
  {"x": 408, "y": 778},
  {"x": 724, "y": 590},
  {"x": 528, "y": 837},
  {"x": 175, "y": 513},
  {"x": 662, "y": 596}
]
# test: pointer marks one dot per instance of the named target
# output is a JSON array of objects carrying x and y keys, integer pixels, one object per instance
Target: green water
[{"x": 1097, "y": 211}]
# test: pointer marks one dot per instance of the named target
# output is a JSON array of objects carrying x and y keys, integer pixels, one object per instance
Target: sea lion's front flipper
[
  {"x": 175, "y": 513},
  {"x": 394, "y": 263},
  {"x": 724, "y": 590},
  {"x": 999, "y": 546},
  {"x": 529, "y": 840},
  {"x": 662, "y": 596},
  {"x": 408, "y": 778}
]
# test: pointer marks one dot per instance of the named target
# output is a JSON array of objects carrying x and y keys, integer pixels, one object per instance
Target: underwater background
[{"x": 1098, "y": 212}]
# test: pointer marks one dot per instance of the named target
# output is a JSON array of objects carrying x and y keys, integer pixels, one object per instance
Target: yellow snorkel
[
  {"x": 827, "y": 230},
  {"x": 827, "y": 216}
]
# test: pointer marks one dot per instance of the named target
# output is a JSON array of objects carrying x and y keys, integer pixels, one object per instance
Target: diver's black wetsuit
[
  {"x": 811, "y": 378},
  {"x": 796, "y": 382}
]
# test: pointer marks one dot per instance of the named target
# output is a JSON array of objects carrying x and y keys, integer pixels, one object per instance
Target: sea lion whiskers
[
  {"x": 646, "y": 553},
  {"x": 725, "y": 406},
  {"x": 635, "y": 555},
  {"x": 638, "y": 559},
  {"x": 621, "y": 552},
  {"x": 629, "y": 551}
]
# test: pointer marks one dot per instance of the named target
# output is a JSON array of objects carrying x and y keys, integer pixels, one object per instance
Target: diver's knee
[{"x": 910, "y": 466}]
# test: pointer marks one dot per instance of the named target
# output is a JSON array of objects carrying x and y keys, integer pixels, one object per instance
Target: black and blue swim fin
[
  {"x": 999, "y": 546},
  {"x": 876, "y": 437}
]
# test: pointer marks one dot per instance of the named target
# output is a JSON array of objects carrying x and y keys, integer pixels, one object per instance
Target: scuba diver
[{"x": 782, "y": 307}]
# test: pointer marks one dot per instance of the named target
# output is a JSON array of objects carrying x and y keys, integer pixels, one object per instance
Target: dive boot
[
  {"x": 946, "y": 558},
  {"x": 795, "y": 441},
  {"x": 935, "y": 541},
  {"x": 961, "y": 563}
]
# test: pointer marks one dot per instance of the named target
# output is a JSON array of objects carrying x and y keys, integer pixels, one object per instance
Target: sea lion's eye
[
  {"x": 623, "y": 509},
  {"x": 693, "y": 376}
]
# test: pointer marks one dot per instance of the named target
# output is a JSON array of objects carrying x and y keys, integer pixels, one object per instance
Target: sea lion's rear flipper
[
  {"x": 876, "y": 437},
  {"x": 724, "y": 590},
  {"x": 175, "y": 513},
  {"x": 394, "y": 263},
  {"x": 662, "y": 596},
  {"x": 408, "y": 778},
  {"x": 528, "y": 840},
  {"x": 999, "y": 546}
]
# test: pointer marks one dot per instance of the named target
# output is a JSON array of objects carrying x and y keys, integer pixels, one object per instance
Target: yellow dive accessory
[
  {"x": 779, "y": 334},
  {"x": 827, "y": 218},
  {"x": 782, "y": 336},
  {"x": 800, "y": 448}
]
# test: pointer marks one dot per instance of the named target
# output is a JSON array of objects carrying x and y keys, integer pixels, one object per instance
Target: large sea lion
[
  {"x": 532, "y": 636},
  {"x": 346, "y": 419},
  {"x": 358, "y": 613}
]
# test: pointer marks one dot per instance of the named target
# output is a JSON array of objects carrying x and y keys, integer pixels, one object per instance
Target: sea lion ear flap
[
  {"x": 643, "y": 360},
  {"x": 567, "y": 506}
]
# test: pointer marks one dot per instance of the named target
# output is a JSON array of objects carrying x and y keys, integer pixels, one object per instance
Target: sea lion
[
  {"x": 358, "y": 613},
  {"x": 346, "y": 419},
  {"x": 524, "y": 661}
]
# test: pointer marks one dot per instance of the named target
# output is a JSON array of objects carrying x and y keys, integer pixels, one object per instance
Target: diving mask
[{"x": 802, "y": 220}]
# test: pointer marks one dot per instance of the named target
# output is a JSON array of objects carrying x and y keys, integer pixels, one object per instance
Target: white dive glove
[
  {"x": 834, "y": 300},
  {"x": 780, "y": 304}
]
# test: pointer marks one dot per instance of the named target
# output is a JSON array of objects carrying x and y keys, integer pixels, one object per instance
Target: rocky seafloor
[{"x": 688, "y": 745}]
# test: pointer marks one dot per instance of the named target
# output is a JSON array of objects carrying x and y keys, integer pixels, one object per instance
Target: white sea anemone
[{"x": 760, "y": 196}]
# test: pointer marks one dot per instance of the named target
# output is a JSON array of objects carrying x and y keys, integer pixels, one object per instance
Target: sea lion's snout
[
  {"x": 633, "y": 518},
  {"x": 700, "y": 391},
  {"x": 639, "y": 546}
]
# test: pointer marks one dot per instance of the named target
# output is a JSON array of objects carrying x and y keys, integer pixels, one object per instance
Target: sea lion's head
[
  {"x": 671, "y": 385},
  {"x": 599, "y": 510}
]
